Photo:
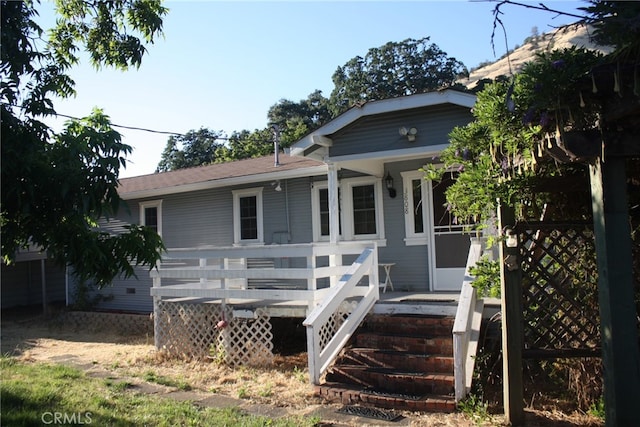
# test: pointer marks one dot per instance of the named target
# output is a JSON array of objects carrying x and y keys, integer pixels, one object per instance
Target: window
[
  {"x": 151, "y": 215},
  {"x": 247, "y": 216},
  {"x": 320, "y": 208},
  {"x": 416, "y": 196},
  {"x": 364, "y": 209},
  {"x": 360, "y": 209}
]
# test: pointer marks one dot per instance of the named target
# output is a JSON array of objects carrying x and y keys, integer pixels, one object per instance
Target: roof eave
[{"x": 225, "y": 182}]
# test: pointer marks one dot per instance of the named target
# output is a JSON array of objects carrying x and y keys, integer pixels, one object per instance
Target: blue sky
[{"x": 221, "y": 65}]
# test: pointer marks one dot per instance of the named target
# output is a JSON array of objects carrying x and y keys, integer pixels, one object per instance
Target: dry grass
[{"x": 284, "y": 385}]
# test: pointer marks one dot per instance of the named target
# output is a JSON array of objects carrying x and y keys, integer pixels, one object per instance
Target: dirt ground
[{"x": 281, "y": 388}]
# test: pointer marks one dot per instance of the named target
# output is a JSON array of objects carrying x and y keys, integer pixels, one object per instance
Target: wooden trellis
[
  {"x": 193, "y": 329},
  {"x": 560, "y": 290}
]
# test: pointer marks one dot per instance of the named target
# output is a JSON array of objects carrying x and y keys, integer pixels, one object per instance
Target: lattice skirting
[{"x": 203, "y": 330}]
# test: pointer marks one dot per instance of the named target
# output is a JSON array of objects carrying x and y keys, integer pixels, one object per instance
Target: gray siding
[
  {"x": 21, "y": 284},
  {"x": 380, "y": 133},
  {"x": 411, "y": 271},
  {"x": 130, "y": 295},
  {"x": 206, "y": 218}
]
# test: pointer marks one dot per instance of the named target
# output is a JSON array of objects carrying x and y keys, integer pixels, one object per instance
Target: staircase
[{"x": 402, "y": 362}]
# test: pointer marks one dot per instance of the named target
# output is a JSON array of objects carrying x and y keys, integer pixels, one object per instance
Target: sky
[{"x": 222, "y": 65}]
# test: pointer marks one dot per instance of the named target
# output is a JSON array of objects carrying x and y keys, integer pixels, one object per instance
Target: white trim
[
  {"x": 315, "y": 211},
  {"x": 152, "y": 204},
  {"x": 411, "y": 237},
  {"x": 395, "y": 155},
  {"x": 346, "y": 210},
  {"x": 237, "y": 195},
  {"x": 347, "y": 206}
]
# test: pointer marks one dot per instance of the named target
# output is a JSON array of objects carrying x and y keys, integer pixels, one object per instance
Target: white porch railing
[
  {"x": 301, "y": 273},
  {"x": 327, "y": 329},
  {"x": 466, "y": 328}
]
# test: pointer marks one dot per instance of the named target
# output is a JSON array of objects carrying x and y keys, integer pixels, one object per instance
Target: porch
[{"x": 217, "y": 302}]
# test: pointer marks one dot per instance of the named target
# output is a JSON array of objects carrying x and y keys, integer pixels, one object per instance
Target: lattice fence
[
  {"x": 191, "y": 329},
  {"x": 329, "y": 329},
  {"x": 560, "y": 293}
]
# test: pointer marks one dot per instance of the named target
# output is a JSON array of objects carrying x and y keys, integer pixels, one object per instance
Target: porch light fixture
[
  {"x": 388, "y": 182},
  {"x": 276, "y": 183},
  {"x": 409, "y": 133}
]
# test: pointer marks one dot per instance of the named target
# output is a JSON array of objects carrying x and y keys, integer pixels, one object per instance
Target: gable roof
[
  {"x": 319, "y": 136},
  {"x": 218, "y": 175}
]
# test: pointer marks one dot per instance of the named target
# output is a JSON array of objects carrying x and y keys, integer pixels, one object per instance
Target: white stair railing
[
  {"x": 326, "y": 335},
  {"x": 466, "y": 328}
]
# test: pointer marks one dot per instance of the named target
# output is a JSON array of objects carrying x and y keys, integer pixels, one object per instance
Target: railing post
[{"x": 313, "y": 355}]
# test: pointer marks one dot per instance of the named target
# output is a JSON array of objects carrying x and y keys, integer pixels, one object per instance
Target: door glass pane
[
  {"x": 418, "y": 217},
  {"x": 364, "y": 209},
  {"x": 442, "y": 217}
]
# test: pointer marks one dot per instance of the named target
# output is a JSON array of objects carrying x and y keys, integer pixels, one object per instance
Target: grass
[
  {"x": 152, "y": 377},
  {"x": 33, "y": 393}
]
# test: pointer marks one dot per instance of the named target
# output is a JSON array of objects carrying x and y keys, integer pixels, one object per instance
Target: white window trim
[
  {"x": 151, "y": 204},
  {"x": 315, "y": 209},
  {"x": 346, "y": 214},
  {"x": 411, "y": 237},
  {"x": 237, "y": 195}
]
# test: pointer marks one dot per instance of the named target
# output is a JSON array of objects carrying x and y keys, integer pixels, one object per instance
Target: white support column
[
  {"x": 334, "y": 211},
  {"x": 334, "y": 216}
]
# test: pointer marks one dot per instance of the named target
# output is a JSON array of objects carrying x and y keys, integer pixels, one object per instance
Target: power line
[{"x": 163, "y": 132}]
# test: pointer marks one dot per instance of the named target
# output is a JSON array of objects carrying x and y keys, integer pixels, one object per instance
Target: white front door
[{"x": 449, "y": 240}]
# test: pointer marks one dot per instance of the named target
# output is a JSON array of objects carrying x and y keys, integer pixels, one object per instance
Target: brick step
[
  {"x": 350, "y": 395},
  {"x": 418, "y": 362},
  {"x": 442, "y": 346},
  {"x": 411, "y": 324},
  {"x": 392, "y": 380}
]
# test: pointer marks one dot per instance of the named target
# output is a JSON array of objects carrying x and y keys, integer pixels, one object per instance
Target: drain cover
[{"x": 361, "y": 411}]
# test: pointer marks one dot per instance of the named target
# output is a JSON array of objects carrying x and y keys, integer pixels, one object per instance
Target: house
[
  {"x": 302, "y": 234},
  {"x": 370, "y": 155}
]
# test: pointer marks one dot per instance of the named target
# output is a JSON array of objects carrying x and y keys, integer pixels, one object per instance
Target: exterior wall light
[
  {"x": 409, "y": 133},
  {"x": 388, "y": 182}
]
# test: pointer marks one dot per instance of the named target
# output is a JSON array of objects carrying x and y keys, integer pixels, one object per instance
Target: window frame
[
  {"x": 345, "y": 188},
  {"x": 237, "y": 231},
  {"x": 143, "y": 206},
  {"x": 316, "y": 222},
  {"x": 413, "y": 238}
]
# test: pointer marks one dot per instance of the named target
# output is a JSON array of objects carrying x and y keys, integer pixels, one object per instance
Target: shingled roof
[{"x": 219, "y": 175}]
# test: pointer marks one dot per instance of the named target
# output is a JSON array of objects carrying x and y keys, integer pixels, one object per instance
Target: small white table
[{"x": 387, "y": 280}]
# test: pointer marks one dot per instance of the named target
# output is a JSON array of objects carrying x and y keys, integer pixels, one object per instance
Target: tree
[
  {"x": 394, "y": 69},
  {"x": 295, "y": 119},
  {"x": 245, "y": 145},
  {"x": 56, "y": 187},
  {"x": 195, "y": 148}
]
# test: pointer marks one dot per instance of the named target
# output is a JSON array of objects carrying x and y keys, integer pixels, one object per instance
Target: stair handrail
[
  {"x": 322, "y": 354},
  {"x": 466, "y": 326}
]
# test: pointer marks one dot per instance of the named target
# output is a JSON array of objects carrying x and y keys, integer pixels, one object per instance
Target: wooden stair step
[
  {"x": 411, "y": 324},
  {"x": 349, "y": 395},
  {"x": 413, "y": 344},
  {"x": 391, "y": 358},
  {"x": 393, "y": 380}
]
